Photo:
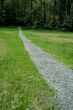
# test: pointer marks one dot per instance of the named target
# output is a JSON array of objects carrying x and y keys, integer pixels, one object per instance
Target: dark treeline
[{"x": 50, "y": 14}]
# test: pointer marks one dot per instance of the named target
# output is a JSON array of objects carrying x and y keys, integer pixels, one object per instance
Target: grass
[
  {"x": 21, "y": 85},
  {"x": 58, "y": 44}
]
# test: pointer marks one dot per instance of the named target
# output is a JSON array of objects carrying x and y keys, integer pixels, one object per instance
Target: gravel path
[{"x": 58, "y": 75}]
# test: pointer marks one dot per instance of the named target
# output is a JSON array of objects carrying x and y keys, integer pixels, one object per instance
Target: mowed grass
[
  {"x": 58, "y": 44},
  {"x": 21, "y": 86}
]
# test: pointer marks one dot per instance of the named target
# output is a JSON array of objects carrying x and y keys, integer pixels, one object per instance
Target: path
[{"x": 59, "y": 76}]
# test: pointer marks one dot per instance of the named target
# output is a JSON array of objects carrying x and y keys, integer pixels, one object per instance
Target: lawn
[
  {"x": 21, "y": 86},
  {"x": 57, "y": 44}
]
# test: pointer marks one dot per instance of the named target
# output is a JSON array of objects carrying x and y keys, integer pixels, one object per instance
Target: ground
[
  {"x": 56, "y": 73},
  {"x": 22, "y": 87}
]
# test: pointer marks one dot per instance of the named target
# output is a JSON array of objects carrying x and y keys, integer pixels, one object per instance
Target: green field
[
  {"x": 21, "y": 86},
  {"x": 57, "y": 44}
]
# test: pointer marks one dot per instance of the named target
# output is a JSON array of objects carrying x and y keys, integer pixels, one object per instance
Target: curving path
[{"x": 58, "y": 75}]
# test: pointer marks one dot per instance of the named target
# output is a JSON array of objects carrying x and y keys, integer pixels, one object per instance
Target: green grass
[
  {"x": 21, "y": 86},
  {"x": 58, "y": 44}
]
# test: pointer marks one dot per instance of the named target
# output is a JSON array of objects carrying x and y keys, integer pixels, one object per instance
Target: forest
[{"x": 49, "y": 14}]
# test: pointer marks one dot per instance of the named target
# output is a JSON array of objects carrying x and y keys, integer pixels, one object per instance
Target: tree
[{"x": 37, "y": 13}]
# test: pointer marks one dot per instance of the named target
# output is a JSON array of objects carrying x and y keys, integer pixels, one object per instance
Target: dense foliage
[{"x": 37, "y": 13}]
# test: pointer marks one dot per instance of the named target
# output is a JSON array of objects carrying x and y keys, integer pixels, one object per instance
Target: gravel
[{"x": 56, "y": 74}]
